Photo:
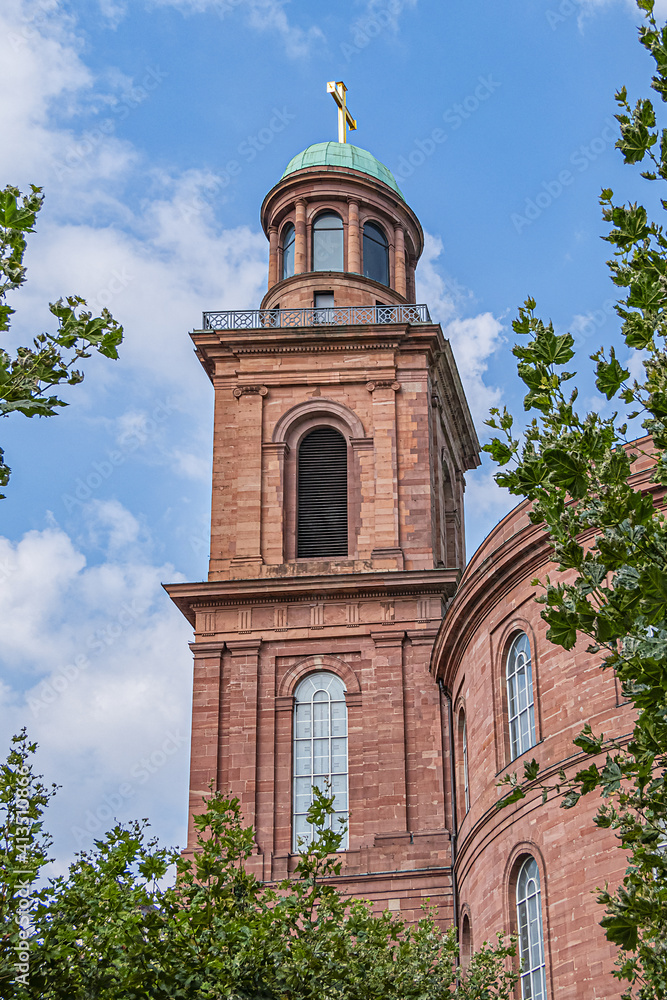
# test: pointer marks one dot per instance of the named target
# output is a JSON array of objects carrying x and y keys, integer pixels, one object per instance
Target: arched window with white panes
[
  {"x": 464, "y": 800},
  {"x": 328, "y": 242},
  {"x": 288, "y": 247},
  {"x": 520, "y": 701},
  {"x": 320, "y": 751},
  {"x": 466, "y": 780},
  {"x": 531, "y": 935}
]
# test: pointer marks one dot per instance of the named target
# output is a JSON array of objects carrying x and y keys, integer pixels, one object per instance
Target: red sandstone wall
[{"x": 494, "y": 601}]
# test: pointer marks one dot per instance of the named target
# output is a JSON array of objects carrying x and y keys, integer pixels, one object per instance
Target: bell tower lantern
[
  {"x": 338, "y": 224},
  {"x": 341, "y": 440}
]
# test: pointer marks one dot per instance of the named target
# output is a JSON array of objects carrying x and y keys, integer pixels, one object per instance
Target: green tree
[
  {"x": 110, "y": 930},
  {"x": 28, "y": 376},
  {"x": 610, "y": 538}
]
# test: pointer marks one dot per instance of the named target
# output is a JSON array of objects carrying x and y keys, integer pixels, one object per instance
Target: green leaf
[{"x": 610, "y": 376}]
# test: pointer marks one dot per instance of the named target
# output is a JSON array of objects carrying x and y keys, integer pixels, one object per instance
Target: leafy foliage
[
  {"x": 611, "y": 539},
  {"x": 109, "y": 929},
  {"x": 27, "y": 377}
]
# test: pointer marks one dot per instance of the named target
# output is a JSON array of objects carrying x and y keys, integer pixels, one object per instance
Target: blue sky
[{"x": 156, "y": 127}]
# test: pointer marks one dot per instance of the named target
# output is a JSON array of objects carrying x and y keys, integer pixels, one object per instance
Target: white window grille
[
  {"x": 320, "y": 751},
  {"x": 531, "y": 937},
  {"x": 466, "y": 783},
  {"x": 520, "y": 704}
]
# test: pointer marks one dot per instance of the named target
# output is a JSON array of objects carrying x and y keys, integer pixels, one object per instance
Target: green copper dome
[{"x": 342, "y": 154}]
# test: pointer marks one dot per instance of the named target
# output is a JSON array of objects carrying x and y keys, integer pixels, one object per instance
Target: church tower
[{"x": 341, "y": 440}]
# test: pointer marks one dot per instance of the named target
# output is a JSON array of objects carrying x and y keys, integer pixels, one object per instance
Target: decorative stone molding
[
  {"x": 386, "y": 383},
  {"x": 309, "y": 664},
  {"x": 249, "y": 390},
  {"x": 315, "y": 408}
]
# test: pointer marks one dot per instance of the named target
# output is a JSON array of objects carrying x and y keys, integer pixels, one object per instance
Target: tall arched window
[
  {"x": 328, "y": 242},
  {"x": 322, "y": 495},
  {"x": 320, "y": 750},
  {"x": 464, "y": 748},
  {"x": 288, "y": 250},
  {"x": 531, "y": 936},
  {"x": 466, "y": 942},
  {"x": 520, "y": 705},
  {"x": 376, "y": 254}
]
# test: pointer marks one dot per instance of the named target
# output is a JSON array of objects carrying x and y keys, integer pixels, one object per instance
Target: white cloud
[
  {"x": 113, "y": 11},
  {"x": 108, "y": 672},
  {"x": 262, "y": 15},
  {"x": 386, "y": 12},
  {"x": 486, "y": 504},
  {"x": 474, "y": 339},
  {"x": 587, "y": 8}
]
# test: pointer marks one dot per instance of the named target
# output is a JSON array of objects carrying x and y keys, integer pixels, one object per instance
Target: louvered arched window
[
  {"x": 320, "y": 751},
  {"x": 322, "y": 495}
]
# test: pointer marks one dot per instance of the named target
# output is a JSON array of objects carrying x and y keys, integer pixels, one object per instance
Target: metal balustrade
[{"x": 262, "y": 319}]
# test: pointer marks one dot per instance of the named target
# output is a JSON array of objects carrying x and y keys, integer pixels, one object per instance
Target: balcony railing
[{"x": 261, "y": 319}]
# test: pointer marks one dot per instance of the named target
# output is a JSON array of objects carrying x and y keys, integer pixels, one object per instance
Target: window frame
[
  {"x": 284, "y": 246},
  {"x": 287, "y": 435},
  {"x": 298, "y": 541},
  {"x": 524, "y": 922},
  {"x": 461, "y": 761},
  {"x": 300, "y": 775},
  {"x": 375, "y": 225},
  {"x": 516, "y": 734},
  {"x": 323, "y": 213}
]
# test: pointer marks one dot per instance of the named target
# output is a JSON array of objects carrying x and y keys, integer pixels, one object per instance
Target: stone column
[
  {"x": 273, "y": 501},
  {"x": 273, "y": 256},
  {"x": 399, "y": 261},
  {"x": 390, "y": 815},
  {"x": 353, "y": 238},
  {"x": 300, "y": 237},
  {"x": 248, "y": 474},
  {"x": 205, "y": 720},
  {"x": 364, "y": 487},
  {"x": 386, "y": 543},
  {"x": 241, "y": 694}
]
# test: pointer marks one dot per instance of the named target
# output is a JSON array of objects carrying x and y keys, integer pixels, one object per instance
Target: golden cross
[{"x": 345, "y": 119}]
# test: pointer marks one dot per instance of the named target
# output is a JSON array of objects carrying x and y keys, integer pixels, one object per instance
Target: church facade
[{"x": 340, "y": 637}]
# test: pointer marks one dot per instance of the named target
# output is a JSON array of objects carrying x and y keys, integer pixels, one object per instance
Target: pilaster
[{"x": 248, "y": 555}]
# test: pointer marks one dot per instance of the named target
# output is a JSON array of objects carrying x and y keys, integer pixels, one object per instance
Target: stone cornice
[{"x": 192, "y": 597}]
